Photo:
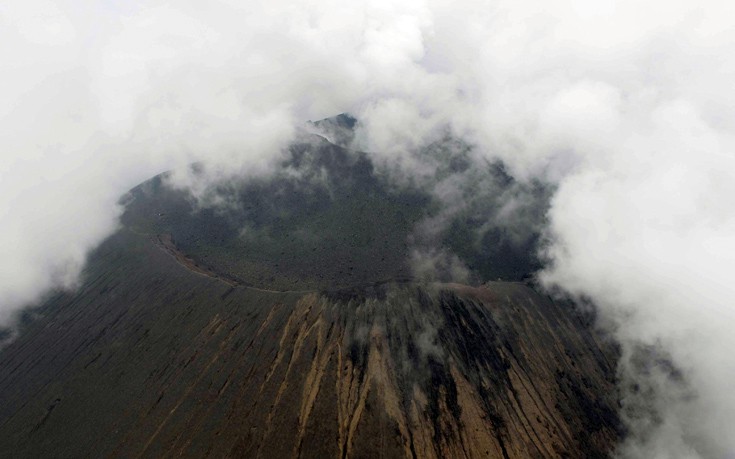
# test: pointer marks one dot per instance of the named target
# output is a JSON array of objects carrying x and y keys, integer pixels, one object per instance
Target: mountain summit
[{"x": 313, "y": 312}]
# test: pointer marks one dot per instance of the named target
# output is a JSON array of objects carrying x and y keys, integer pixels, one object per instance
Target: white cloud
[{"x": 628, "y": 106}]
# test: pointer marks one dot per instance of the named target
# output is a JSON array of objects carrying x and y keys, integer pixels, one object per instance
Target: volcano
[{"x": 283, "y": 315}]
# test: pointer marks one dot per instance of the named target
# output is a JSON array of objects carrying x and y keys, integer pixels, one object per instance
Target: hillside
[{"x": 290, "y": 324}]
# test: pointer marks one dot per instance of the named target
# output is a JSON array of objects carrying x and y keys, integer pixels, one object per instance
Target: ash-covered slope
[
  {"x": 150, "y": 358},
  {"x": 303, "y": 336}
]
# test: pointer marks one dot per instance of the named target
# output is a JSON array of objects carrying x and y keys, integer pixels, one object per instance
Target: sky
[{"x": 626, "y": 107}]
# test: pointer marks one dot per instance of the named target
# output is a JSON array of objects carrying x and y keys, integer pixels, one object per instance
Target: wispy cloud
[{"x": 626, "y": 107}]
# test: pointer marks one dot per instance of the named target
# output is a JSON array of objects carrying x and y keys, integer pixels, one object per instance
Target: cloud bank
[{"x": 625, "y": 106}]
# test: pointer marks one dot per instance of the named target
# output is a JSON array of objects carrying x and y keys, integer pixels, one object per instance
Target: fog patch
[
  {"x": 437, "y": 265},
  {"x": 626, "y": 108}
]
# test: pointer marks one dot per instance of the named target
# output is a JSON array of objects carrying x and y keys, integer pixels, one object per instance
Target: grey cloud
[{"x": 625, "y": 107}]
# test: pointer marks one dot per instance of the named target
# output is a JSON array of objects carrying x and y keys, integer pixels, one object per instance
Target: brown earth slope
[{"x": 150, "y": 358}]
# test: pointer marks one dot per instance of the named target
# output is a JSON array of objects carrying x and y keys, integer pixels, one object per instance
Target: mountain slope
[
  {"x": 166, "y": 361},
  {"x": 305, "y": 337}
]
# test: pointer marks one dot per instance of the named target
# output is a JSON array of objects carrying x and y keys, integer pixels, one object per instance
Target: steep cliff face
[{"x": 151, "y": 358}]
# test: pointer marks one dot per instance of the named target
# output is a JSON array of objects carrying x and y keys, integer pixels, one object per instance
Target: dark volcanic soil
[
  {"x": 289, "y": 325},
  {"x": 151, "y": 359}
]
